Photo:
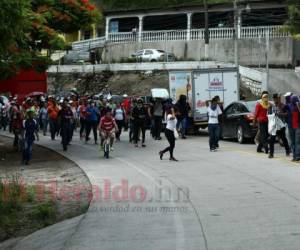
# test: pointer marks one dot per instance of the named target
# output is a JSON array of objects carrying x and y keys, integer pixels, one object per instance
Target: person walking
[
  {"x": 16, "y": 123},
  {"x": 213, "y": 111},
  {"x": 261, "y": 117},
  {"x": 170, "y": 134},
  {"x": 120, "y": 118},
  {"x": 139, "y": 116},
  {"x": 183, "y": 110},
  {"x": 29, "y": 126},
  {"x": 53, "y": 110},
  {"x": 278, "y": 110},
  {"x": 66, "y": 116},
  {"x": 82, "y": 117},
  {"x": 43, "y": 115},
  {"x": 92, "y": 118},
  {"x": 157, "y": 118},
  {"x": 131, "y": 122},
  {"x": 295, "y": 127}
]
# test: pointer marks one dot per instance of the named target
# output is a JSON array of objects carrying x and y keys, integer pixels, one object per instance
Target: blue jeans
[
  {"x": 214, "y": 132},
  {"x": 295, "y": 142},
  {"x": 27, "y": 150},
  {"x": 182, "y": 125},
  {"x": 45, "y": 125}
]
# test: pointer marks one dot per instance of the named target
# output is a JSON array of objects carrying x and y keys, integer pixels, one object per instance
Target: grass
[{"x": 20, "y": 209}]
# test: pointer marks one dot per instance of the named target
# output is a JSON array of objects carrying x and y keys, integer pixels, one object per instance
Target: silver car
[{"x": 153, "y": 55}]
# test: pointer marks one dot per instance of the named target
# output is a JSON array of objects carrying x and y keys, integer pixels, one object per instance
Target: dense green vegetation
[
  {"x": 29, "y": 26},
  {"x": 147, "y": 4}
]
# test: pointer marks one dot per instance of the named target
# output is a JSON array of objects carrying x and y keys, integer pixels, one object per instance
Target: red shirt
[
  {"x": 107, "y": 124},
  {"x": 261, "y": 113},
  {"x": 82, "y": 111},
  {"x": 126, "y": 105},
  {"x": 295, "y": 119}
]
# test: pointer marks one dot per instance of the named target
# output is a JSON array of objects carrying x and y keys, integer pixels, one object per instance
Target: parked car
[
  {"x": 153, "y": 55},
  {"x": 77, "y": 57},
  {"x": 238, "y": 120}
]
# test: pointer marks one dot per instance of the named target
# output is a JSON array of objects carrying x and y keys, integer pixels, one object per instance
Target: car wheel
[{"x": 240, "y": 134}]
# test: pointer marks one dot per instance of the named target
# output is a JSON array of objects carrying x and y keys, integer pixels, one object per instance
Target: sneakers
[
  {"x": 173, "y": 159},
  {"x": 213, "y": 150}
]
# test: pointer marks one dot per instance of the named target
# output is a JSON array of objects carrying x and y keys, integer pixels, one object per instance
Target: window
[
  {"x": 242, "y": 108},
  {"x": 139, "y": 53},
  {"x": 148, "y": 52},
  {"x": 233, "y": 109},
  {"x": 229, "y": 110}
]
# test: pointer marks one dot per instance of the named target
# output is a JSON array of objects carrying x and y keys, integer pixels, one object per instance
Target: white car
[{"x": 153, "y": 55}]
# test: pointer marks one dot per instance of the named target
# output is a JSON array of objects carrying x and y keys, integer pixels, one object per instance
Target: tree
[
  {"x": 29, "y": 26},
  {"x": 293, "y": 23},
  {"x": 14, "y": 26}
]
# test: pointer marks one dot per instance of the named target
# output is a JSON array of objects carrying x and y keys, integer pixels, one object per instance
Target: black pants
[
  {"x": 171, "y": 139},
  {"x": 82, "y": 126},
  {"x": 282, "y": 136},
  {"x": 120, "y": 124},
  {"x": 89, "y": 126},
  {"x": 214, "y": 132},
  {"x": 139, "y": 125},
  {"x": 263, "y": 138},
  {"x": 131, "y": 131},
  {"x": 157, "y": 126},
  {"x": 65, "y": 134}
]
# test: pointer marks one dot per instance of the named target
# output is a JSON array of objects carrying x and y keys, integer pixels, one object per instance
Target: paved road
[{"x": 230, "y": 199}]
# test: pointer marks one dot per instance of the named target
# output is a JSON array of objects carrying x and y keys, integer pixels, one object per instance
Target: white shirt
[
  {"x": 213, "y": 115},
  {"x": 119, "y": 114},
  {"x": 171, "y": 123}
]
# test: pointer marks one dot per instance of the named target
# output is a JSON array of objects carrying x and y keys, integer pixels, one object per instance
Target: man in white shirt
[{"x": 213, "y": 112}]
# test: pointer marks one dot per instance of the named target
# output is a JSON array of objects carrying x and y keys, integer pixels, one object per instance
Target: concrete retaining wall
[{"x": 252, "y": 51}]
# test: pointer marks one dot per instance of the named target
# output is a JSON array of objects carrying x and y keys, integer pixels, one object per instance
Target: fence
[{"x": 182, "y": 35}]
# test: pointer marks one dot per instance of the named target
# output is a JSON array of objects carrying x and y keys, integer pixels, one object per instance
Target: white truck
[{"x": 202, "y": 85}]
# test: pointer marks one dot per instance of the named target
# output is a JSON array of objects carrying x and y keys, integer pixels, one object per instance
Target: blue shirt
[{"x": 93, "y": 113}]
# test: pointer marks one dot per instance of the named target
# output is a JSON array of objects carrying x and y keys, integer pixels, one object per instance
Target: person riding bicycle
[{"x": 108, "y": 128}]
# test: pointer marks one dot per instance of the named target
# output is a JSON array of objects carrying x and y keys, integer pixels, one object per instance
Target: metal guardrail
[
  {"x": 181, "y": 35},
  {"x": 89, "y": 44}
]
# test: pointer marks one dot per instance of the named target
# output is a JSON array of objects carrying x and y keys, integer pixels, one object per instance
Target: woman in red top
[{"x": 261, "y": 116}]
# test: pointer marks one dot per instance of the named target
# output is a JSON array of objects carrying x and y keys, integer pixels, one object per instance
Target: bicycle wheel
[{"x": 106, "y": 150}]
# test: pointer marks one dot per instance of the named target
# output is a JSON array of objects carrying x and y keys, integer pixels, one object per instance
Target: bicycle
[
  {"x": 108, "y": 137},
  {"x": 106, "y": 147}
]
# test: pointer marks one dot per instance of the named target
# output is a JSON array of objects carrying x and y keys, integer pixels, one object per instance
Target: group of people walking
[
  {"x": 104, "y": 118},
  {"x": 273, "y": 120},
  {"x": 280, "y": 120}
]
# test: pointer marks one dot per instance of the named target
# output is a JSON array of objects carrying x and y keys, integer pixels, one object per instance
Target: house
[{"x": 256, "y": 24}]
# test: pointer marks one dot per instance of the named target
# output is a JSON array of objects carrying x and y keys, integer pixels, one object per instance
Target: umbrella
[
  {"x": 33, "y": 94},
  {"x": 4, "y": 98}
]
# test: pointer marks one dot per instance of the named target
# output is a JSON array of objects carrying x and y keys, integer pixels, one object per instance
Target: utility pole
[
  {"x": 206, "y": 32},
  {"x": 267, "y": 59},
  {"x": 236, "y": 31},
  {"x": 236, "y": 43}
]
